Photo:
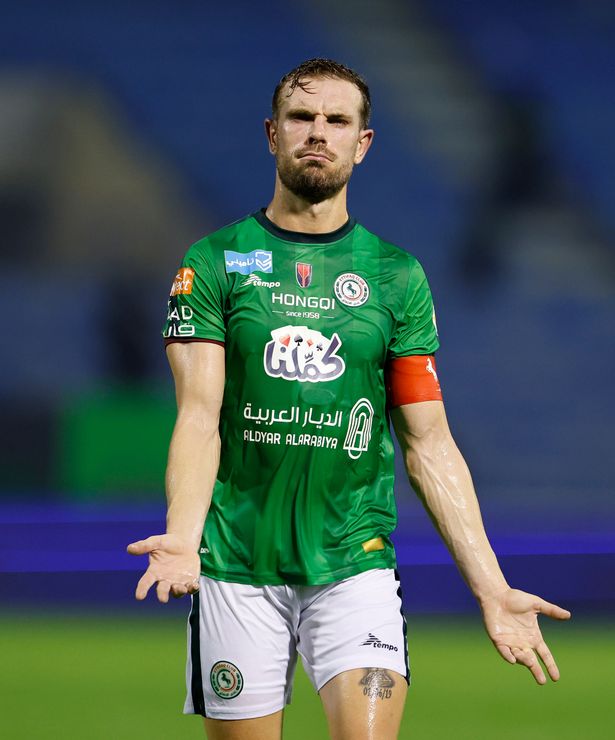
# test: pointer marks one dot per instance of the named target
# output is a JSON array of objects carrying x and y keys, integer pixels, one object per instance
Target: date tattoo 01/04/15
[{"x": 377, "y": 684}]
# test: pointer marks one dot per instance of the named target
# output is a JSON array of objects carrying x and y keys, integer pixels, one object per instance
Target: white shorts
[{"x": 243, "y": 640}]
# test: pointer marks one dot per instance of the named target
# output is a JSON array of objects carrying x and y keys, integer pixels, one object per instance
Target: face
[{"x": 317, "y": 137}]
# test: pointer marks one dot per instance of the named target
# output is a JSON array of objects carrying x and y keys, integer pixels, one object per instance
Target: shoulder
[
  {"x": 213, "y": 245},
  {"x": 391, "y": 255}
]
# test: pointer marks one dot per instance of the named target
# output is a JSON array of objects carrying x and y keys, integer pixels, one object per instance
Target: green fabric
[{"x": 306, "y": 471}]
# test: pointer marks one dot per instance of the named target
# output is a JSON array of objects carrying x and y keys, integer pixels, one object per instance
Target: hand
[
  {"x": 173, "y": 564},
  {"x": 511, "y": 621}
]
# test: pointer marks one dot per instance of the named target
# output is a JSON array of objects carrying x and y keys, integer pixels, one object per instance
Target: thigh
[
  {"x": 241, "y": 654},
  {"x": 261, "y": 728},
  {"x": 364, "y": 704},
  {"x": 354, "y": 623}
]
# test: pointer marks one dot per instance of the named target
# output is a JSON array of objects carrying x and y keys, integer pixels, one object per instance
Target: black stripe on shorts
[
  {"x": 196, "y": 681},
  {"x": 405, "y": 628}
]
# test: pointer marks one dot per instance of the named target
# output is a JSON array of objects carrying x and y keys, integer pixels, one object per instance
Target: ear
[
  {"x": 366, "y": 137},
  {"x": 271, "y": 130}
]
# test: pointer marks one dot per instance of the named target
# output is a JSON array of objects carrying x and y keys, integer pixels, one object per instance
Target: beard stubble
[{"x": 310, "y": 179}]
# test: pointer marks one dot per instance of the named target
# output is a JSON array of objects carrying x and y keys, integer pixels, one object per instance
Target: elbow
[{"x": 199, "y": 421}]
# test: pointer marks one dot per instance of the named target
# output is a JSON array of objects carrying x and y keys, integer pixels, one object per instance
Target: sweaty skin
[
  {"x": 194, "y": 455},
  {"x": 317, "y": 137},
  {"x": 441, "y": 478}
]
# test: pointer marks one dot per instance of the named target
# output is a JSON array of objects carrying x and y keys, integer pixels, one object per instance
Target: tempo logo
[
  {"x": 359, "y": 428},
  {"x": 253, "y": 279},
  {"x": 376, "y": 642}
]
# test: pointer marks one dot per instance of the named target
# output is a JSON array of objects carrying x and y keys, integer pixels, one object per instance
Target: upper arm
[
  {"x": 415, "y": 331},
  {"x": 198, "y": 370}
]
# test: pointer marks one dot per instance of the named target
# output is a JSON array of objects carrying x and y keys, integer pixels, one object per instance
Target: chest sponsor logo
[
  {"x": 182, "y": 282},
  {"x": 245, "y": 262},
  {"x": 306, "y": 355},
  {"x": 303, "y": 273},
  {"x": 351, "y": 289},
  {"x": 359, "y": 428},
  {"x": 302, "y": 301},
  {"x": 253, "y": 279},
  {"x": 297, "y": 426}
]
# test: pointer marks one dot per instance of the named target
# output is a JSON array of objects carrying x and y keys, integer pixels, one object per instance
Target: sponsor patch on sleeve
[{"x": 182, "y": 282}]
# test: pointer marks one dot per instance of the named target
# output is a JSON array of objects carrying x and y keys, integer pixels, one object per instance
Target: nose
[{"x": 316, "y": 132}]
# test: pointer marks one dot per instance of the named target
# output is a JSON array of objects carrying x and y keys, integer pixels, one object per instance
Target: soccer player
[{"x": 292, "y": 335}]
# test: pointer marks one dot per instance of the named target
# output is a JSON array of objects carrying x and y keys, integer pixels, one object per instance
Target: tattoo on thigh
[{"x": 377, "y": 683}]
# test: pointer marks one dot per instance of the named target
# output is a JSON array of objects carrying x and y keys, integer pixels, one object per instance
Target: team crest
[
  {"x": 351, "y": 289},
  {"x": 303, "y": 273},
  {"x": 226, "y": 679}
]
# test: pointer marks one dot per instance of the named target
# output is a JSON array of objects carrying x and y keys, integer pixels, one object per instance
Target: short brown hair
[{"x": 320, "y": 67}]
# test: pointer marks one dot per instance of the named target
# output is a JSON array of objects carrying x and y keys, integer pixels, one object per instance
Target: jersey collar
[{"x": 300, "y": 237}]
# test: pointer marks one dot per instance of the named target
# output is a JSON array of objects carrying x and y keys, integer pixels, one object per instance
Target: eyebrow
[{"x": 306, "y": 112}]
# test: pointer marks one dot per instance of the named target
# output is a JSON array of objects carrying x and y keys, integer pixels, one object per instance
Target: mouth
[{"x": 316, "y": 156}]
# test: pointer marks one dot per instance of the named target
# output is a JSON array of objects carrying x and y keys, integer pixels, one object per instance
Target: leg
[
  {"x": 261, "y": 728},
  {"x": 352, "y": 638},
  {"x": 364, "y": 704},
  {"x": 241, "y": 659}
]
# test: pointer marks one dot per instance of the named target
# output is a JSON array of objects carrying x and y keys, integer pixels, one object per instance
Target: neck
[{"x": 290, "y": 212}]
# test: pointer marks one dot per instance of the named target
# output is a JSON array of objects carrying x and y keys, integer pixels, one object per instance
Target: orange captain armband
[{"x": 411, "y": 380}]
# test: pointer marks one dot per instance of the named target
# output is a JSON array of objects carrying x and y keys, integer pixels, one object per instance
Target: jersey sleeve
[
  {"x": 415, "y": 331},
  {"x": 197, "y": 299}
]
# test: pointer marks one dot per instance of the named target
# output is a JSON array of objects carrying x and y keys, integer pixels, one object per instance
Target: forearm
[
  {"x": 441, "y": 478},
  {"x": 194, "y": 456}
]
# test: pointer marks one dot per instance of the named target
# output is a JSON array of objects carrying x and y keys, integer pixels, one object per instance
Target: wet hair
[{"x": 320, "y": 67}]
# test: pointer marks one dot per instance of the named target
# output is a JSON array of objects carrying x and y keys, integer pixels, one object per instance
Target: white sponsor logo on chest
[{"x": 306, "y": 355}]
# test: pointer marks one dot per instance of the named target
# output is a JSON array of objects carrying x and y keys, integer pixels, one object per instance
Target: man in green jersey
[{"x": 292, "y": 334}]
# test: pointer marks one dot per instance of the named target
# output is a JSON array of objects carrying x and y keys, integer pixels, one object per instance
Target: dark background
[{"x": 129, "y": 130}]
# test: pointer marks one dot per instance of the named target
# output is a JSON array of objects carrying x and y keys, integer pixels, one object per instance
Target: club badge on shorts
[
  {"x": 226, "y": 679},
  {"x": 351, "y": 289}
]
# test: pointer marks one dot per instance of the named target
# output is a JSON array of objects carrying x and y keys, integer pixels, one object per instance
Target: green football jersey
[{"x": 304, "y": 492}]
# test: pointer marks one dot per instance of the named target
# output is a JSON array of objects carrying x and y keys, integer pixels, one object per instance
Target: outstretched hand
[
  {"x": 173, "y": 564},
  {"x": 511, "y": 621}
]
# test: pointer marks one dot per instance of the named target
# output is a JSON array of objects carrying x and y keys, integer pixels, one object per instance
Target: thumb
[
  {"x": 141, "y": 547},
  {"x": 553, "y": 611}
]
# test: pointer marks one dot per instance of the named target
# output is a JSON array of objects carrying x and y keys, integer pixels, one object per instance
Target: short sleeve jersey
[{"x": 304, "y": 492}]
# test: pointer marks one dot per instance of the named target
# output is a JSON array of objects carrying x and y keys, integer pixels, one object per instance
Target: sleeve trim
[{"x": 187, "y": 340}]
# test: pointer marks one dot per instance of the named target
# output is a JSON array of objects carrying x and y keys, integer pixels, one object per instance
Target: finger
[
  {"x": 506, "y": 653},
  {"x": 144, "y": 546},
  {"x": 549, "y": 661},
  {"x": 528, "y": 658},
  {"x": 178, "y": 590},
  {"x": 162, "y": 591},
  {"x": 146, "y": 581},
  {"x": 193, "y": 587},
  {"x": 552, "y": 610}
]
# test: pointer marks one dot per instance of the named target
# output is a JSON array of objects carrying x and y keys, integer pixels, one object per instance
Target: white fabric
[{"x": 354, "y": 623}]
